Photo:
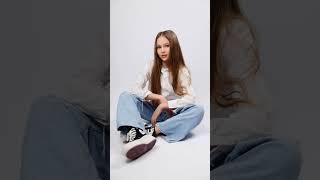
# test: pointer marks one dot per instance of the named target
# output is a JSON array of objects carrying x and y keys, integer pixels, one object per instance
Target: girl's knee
[
  {"x": 198, "y": 112},
  {"x": 289, "y": 154}
]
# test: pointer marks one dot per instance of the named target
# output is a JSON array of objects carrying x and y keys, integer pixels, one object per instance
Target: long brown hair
[
  {"x": 223, "y": 13},
  {"x": 175, "y": 63}
]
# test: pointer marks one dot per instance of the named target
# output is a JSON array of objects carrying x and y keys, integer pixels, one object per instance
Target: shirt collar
[{"x": 164, "y": 69}]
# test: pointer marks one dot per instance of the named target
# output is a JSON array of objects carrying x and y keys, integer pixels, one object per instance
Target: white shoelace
[{"x": 131, "y": 135}]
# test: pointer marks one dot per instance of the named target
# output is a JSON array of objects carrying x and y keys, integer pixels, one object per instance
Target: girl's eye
[{"x": 167, "y": 45}]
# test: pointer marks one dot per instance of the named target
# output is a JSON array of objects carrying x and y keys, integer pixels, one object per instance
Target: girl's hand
[
  {"x": 165, "y": 106},
  {"x": 170, "y": 112},
  {"x": 156, "y": 99},
  {"x": 155, "y": 116},
  {"x": 162, "y": 99},
  {"x": 161, "y": 107}
]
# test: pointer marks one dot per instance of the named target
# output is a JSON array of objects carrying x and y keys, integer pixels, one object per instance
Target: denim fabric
[
  {"x": 134, "y": 111},
  {"x": 61, "y": 142},
  {"x": 263, "y": 158}
]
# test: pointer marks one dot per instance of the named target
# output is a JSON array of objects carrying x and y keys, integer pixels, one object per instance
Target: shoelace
[
  {"x": 131, "y": 135},
  {"x": 149, "y": 129}
]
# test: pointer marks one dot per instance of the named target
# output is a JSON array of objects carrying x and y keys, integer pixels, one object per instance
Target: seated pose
[
  {"x": 242, "y": 147},
  {"x": 162, "y": 103}
]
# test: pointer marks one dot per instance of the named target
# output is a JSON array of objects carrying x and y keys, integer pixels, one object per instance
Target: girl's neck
[{"x": 164, "y": 65}]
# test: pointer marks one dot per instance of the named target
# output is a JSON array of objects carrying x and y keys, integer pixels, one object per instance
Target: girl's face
[{"x": 163, "y": 48}]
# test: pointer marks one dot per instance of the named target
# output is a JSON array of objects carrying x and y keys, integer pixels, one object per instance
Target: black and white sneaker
[
  {"x": 138, "y": 143},
  {"x": 150, "y": 130}
]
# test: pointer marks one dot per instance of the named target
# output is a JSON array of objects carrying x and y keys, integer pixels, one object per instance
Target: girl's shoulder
[
  {"x": 149, "y": 63},
  {"x": 237, "y": 29},
  {"x": 185, "y": 75},
  {"x": 185, "y": 71},
  {"x": 148, "y": 66},
  {"x": 237, "y": 25}
]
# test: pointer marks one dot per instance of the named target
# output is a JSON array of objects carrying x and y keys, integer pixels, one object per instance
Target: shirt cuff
[
  {"x": 173, "y": 104},
  {"x": 147, "y": 94}
]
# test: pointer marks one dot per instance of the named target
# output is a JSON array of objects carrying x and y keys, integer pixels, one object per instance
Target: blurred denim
[
  {"x": 263, "y": 158},
  {"x": 134, "y": 111},
  {"x": 61, "y": 142}
]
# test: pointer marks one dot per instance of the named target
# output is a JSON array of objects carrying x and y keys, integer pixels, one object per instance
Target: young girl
[
  {"x": 241, "y": 143},
  {"x": 162, "y": 103}
]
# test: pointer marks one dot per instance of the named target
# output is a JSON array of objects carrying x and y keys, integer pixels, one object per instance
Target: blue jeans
[
  {"x": 263, "y": 159},
  {"x": 134, "y": 111},
  {"x": 61, "y": 142}
]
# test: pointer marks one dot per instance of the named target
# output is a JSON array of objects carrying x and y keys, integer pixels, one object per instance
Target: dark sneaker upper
[
  {"x": 150, "y": 130},
  {"x": 137, "y": 143},
  {"x": 134, "y": 134}
]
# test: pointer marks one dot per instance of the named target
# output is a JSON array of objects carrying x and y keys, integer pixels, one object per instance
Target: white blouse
[{"x": 142, "y": 86}]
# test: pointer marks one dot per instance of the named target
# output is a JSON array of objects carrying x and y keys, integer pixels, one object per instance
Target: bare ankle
[{"x": 157, "y": 130}]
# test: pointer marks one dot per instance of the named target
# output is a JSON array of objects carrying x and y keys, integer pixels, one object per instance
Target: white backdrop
[{"x": 133, "y": 27}]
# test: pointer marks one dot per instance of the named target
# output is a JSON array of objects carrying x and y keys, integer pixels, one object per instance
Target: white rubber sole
[{"x": 137, "y": 148}]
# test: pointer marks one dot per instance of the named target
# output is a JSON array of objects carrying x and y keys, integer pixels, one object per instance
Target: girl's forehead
[{"x": 162, "y": 39}]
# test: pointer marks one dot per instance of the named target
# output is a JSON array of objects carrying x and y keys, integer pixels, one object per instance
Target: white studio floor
[{"x": 188, "y": 159}]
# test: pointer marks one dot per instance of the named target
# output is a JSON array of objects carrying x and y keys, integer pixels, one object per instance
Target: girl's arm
[
  {"x": 141, "y": 87},
  {"x": 243, "y": 121},
  {"x": 189, "y": 97},
  {"x": 162, "y": 104},
  {"x": 155, "y": 97}
]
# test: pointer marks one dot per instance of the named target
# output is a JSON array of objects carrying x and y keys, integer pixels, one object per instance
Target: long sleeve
[
  {"x": 87, "y": 88},
  {"x": 141, "y": 87},
  {"x": 189, "y": 97},
  {"x": 243, "y": 121}
]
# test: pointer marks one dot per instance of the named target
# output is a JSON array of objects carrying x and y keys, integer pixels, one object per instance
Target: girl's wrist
[
  {"x": 158, "y": 97},
  {"x": 162, "y": 99}
]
